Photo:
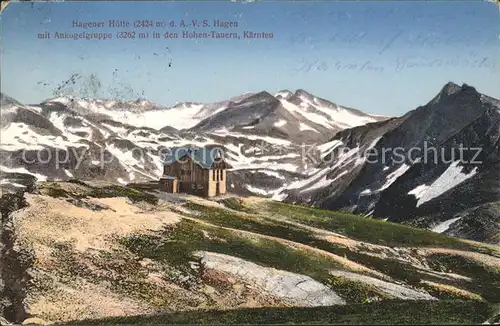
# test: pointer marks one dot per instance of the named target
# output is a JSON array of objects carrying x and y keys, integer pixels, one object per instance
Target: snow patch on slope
[
  {"x": 259, "y": 191},
  {"x": 392, "y": 177},
  {"x": 324, "y": 182},
  {"x": 22, "y": 170},
  {"x": 271, "y": 140},
  {"x": 440, "y": 228},
  {"x": 341, "y": 116},
  {"x": 304, "y": 127},
  {"x": 329, "y": 146},
  {"x": 280, "y": 123},
  {"x": 418, "y": 191},
  {"x": 314, "y": 117},
  {"x": 19, "y": 136},
  {"x": 271, "y": 173},
  {"x": 450, "y": 178}
]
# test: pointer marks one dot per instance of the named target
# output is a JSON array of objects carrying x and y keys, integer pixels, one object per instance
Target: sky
[{"x": 385, "y": 57}]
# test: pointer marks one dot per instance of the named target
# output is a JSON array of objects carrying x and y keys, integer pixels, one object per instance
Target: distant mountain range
[{"x": 291, "y": 146}]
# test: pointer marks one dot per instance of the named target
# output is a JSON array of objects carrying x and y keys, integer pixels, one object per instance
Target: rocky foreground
[{"x": 74, "y": 252}]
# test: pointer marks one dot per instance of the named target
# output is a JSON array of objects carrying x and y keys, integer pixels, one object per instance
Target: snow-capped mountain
[
  {"x": 295, "y": 116},
  {"x": 123, "y": 140},
  {"x": 290, "y": 146},
  {"x": 411, "y": 169},
  {"x": 139, "y": 113}
]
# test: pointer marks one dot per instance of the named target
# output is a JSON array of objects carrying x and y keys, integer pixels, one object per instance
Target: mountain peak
[
  {"x": 303, "y": 92},
  {"x": 260, "y": 95},
  {"x": 450, "y": 88},
  {"x": 141, "y": 101},
  {"x": 185, "y": 104},
  {"x": 6, "y": 100},
  {"x": 284, "y": 93}
]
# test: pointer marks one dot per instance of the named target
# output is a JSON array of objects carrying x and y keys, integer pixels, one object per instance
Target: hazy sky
[{"x": 381, "y": 57}]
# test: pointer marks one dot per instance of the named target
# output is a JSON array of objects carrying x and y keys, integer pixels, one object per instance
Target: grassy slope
[
  {"x": 175, "y": 245},
  {"x": 485, "y": 281},
  {"x": 483, "y": 278},
  {"x": 364, "y": 229}
]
